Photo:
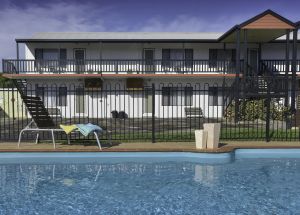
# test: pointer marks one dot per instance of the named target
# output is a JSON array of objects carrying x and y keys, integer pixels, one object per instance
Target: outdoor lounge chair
[{"x": 41, "y": 121}]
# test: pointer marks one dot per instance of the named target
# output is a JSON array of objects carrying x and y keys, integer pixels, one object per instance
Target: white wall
[
  {"x": 115, "y": 96},
  {"x": 135, "y": 50},
  {"x": 276, "y": 51},
  {"x": 124, "y": 50}
]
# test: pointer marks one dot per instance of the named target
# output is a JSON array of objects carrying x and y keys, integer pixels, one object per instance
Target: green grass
[
  {"x": 226, "y": 134},
  {"x": 188, "y": 135}
]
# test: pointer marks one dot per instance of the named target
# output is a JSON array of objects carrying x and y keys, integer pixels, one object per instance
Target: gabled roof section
[{"x": 267, "y": 20}]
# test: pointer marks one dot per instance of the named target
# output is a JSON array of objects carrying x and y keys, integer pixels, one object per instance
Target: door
[
  {"x": 79, "y": 56},
  {"x": 177, "y": 59},
  {"x": 253, "y": 59},
  {"x": 79, "y": 101},
  {"x": 148, "y": 101},
  {"x": 149, "y": 60}
]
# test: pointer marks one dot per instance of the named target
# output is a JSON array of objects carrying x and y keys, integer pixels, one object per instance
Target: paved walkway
[{"x": 142, "y": 146}]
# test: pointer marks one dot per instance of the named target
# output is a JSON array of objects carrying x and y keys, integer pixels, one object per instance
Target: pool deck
[{"x": 227, "y": 146}]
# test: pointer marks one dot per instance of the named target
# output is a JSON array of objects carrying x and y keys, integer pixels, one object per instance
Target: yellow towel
[{"x": 68, "y": 128}]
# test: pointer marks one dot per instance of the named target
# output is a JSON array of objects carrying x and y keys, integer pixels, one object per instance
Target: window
[
  {"x": 62, "y": 96},
  {"x": 148, "y": 100},
  {"x": 166, "y": 57},
  {"x": 189, "y": 55},
  {"x": 149, "y": 56},
  {"x": 80, "y": 100},
  {"x": 188, "y": 96},
  {"x": 40, "y": 92},
  {"x": 170, "y": 56},
  {"x": 175, "y": 96},
  {"x": 52, "y": 54},
  {"x": 216, "y": 55},
  {"x": 215, "y": 96},
  {"x": 63, "y": 57}
]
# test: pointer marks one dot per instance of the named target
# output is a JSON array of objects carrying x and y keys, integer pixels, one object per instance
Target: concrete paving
[{"x": 141, "y": 146}]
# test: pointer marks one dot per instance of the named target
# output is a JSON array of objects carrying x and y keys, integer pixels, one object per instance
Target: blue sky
[{"x": 20, "y": 18}]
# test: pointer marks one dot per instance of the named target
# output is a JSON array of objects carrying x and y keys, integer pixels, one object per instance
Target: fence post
[
  {"x": 153, "y": 113},
  {"x": 268, "y": 114}
]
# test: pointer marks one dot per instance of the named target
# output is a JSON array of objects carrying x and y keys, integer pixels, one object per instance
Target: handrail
[{"x": 115, "y": 66}]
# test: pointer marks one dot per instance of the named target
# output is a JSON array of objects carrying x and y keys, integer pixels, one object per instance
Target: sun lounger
[{"x": 41, "y": 121}]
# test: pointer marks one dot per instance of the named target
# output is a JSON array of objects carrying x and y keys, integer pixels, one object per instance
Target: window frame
[
  {"x": 213, "y": 56},
  {"x": 215, "y": 96},
  {"x": 177, "y": 96},
  {"x": 62, "y": 98}
]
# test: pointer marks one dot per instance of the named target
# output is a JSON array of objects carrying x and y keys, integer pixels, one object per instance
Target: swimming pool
[{"x": 245, "y": 182}]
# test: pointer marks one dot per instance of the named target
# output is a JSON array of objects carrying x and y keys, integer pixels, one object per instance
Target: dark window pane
[
  {"x": 166, "y": 57},
  {"x": 62, "y": 57},
  {"x": 189, "y": 55},
  {"x": 38, "y": 54},
  {"x": 62, "y": 96},
  {"x": 40, "y": 92},
  {"x": 213, "y": 54},
  {"x": 188, "y": 96},
  {"x": 215, "y": 97},
  {"x": 149, "y": 56},
  {"x": 166, "y": 96}
]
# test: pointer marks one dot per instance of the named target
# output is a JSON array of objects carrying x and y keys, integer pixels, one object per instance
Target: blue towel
[{"x": 86, "y": 129}]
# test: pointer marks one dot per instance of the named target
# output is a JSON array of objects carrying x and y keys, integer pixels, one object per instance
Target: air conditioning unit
[
  {"x": 93, "y": 83},
  {"x": 135, "y": 84}
]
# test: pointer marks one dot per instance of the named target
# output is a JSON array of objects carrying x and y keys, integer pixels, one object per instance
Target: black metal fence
[{"x": 157, "y": 112}]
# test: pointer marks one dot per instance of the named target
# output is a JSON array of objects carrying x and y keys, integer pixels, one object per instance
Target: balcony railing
[
  {"x": 279, "y": 66},
  {"x": 134, "y": 66},
  {"x": 117, "y": 67}
]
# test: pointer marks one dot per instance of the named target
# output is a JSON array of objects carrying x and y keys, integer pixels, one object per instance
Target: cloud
[
  {"x": 189, "y": 23},
  {"x": 19, "y": 22}
]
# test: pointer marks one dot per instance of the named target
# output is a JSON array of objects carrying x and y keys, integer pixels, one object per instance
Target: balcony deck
[
  {"x": 131, "y": 68},
  {"x": 118, "y": 67}
]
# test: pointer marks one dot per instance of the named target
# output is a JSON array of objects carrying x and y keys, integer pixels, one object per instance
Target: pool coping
[
  {"x": 223, "y": 149},
  {"x": 117, "y": 157}
]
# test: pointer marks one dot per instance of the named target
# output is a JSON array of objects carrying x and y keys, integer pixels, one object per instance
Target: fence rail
[{"x": 158, "y": 112}]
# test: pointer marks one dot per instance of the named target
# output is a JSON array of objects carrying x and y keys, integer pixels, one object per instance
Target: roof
[
  {"x": 122, "y": 36},
  {"x": 255, "y": 18}
]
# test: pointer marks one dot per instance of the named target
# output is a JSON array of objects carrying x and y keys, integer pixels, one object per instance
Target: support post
[
  {"x": 259, "y": 66},
  {"x": 237, "y": 75},
  {"x": 245, "y": 76},
  {"x": 268, "y": 115},
  {"x": 17, "y": 47},
  {"x": 153, "y": 113},
  {"x": 294, "y": 67},
  {"x": 18, "y": 57},
  {"x": 245, "y": 73},
  {"x": 287, "y": 67}
]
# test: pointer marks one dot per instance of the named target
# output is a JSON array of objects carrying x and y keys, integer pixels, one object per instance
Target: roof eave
[
  {"x": 231, "y": 30},
  {"x": 111, "y": 40}
]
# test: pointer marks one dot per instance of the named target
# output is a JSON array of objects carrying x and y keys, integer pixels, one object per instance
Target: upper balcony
[
  {"x": 135, "y": 67},
  {"x": 118, "y": 67}
]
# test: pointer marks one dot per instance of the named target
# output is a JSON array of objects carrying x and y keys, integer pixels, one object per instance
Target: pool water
[{"x": 245, "y": 186}]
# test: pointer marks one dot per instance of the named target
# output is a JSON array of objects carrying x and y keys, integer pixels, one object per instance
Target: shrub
[{"x": 253, "y": 109}]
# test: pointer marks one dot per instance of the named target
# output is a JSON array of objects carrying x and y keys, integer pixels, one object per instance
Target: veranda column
[
  {"x": 237, "y": 75},
  {"x": 245, "y": 55},
  {"x": 294, "y": 67},
  {"x": 18, "y": 57},
  {"x": 287, "y": 67}
]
